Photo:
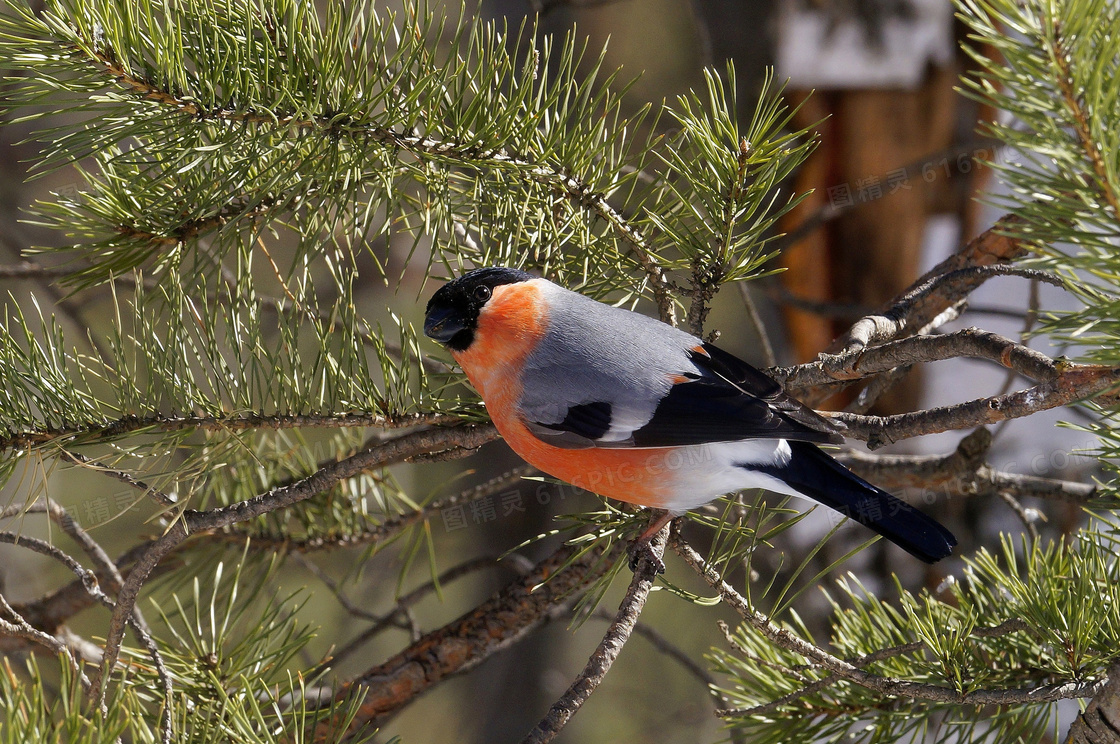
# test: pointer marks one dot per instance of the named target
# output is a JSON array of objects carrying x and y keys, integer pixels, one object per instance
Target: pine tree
[{"x": 248, "y": 167}]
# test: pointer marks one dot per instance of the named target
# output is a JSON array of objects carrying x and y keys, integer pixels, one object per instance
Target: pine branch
[
  {"x": 464, "y": 643},
  {"x": 191, "y": 521},
  {"x": 1075, "y": 383},
  {"x": 608, "y": 649},
  {"x": 962, "y": 472},
  {"x": 236, "y": 422},
  {"x": 890, "y": 686},
  {"x": 861, "y": 362},
  {"x": 1100, "y": 723}
]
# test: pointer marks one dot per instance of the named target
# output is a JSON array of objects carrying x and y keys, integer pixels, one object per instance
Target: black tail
[{"x": 815, "y": 474}]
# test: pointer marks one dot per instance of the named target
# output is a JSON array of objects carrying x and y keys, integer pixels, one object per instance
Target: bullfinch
[{"x": 623, "y": 405}]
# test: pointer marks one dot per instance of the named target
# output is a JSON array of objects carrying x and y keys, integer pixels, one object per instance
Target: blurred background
[{"x": 894, "y": 190}]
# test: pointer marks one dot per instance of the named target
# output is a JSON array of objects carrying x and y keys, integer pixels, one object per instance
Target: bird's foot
[{"x": 640, "y": 549}]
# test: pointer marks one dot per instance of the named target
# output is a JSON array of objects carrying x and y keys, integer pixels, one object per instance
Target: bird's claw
[{"x": 640, "y": 549}]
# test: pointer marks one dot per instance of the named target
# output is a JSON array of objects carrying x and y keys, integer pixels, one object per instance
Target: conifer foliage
[{"x": 248, "y": 168}]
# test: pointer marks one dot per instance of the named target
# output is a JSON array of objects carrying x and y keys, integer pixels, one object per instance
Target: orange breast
[
  {"x": 509, "y": 327},
  {"x": 638, "y": 476}
]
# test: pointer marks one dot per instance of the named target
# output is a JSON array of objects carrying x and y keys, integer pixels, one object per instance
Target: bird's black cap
[{"x": 452, "y": 313}]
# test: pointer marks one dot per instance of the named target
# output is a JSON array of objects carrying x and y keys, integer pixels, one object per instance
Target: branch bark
[
  {"x": 608, "y": 649},
  {"x": 1100, "y": 723},
  {"x": 463, "y": 644},
  {"x": 1075, "y": 382},
  {"x": 915, "y": 308},
  {"x": 191, "y": 521}
]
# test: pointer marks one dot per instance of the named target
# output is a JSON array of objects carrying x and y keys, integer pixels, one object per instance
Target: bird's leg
[{"x": 640, "y": 547}]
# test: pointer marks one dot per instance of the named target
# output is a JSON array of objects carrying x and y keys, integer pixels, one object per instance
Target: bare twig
[
  {"x": 879, "y": 385},
  {"x": 951, "y": 287},
  {"x": 463, "y": 644},
  {"x": 335, "y": 589},
  {"x": 608, "y": 649},
  {"x": 104, "y": 567},
  {"x": 1029, "y": 319},
  {"x": 917, "y": 307},
  {"x": 852, "y": 312},
  {"x": 406, "y": 602},
  {"x": 833, "y": 211},
  {"x": 89, "y": 582},
  {"x": 969, "y": 342},
  {"x": 49, "y": 612},
  {"x": 32, "y": 270},
  {"x": 768, "y": 357},
  {"x": 12, "y": 623},
  {"x": 1075, "y": 382},
  {"x": 1027, "y": 517},
  {"x": 667, "y": 647},
  {"x": 161, "y": 498},
  {"x": 961, "y": 472},
  {"x": 126, "y": 604},
  {"x": 388, "y": 528},
  {"x": 679, "y": 655}
]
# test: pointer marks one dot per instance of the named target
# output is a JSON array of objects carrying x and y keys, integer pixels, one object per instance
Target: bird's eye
[{"x": 482, "y": 293}]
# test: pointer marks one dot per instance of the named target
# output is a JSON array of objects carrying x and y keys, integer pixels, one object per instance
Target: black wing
[
  {"x": 755, "y": 382},
  {"x": 729, "y": 401},
  {"x": 723, "y": 400}
]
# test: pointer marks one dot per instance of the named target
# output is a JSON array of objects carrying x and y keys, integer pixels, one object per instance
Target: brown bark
[
  {"x": 1100, "y": 723},
  {"x": 466, "y": 642}
]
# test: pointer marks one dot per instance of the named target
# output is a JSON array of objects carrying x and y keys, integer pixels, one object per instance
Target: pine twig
[
  {"x": 927, "y": 298},
  {"x": 606, "y": 652},
  {"x": 406, "y": 602},
  {"x": 157, "y": 422},
  {"x": 891, "y": 686},
  {"x": 191, "y": 521},
  {"x": 499, "y": 622},
  {"x": 1074, "y": 383}
]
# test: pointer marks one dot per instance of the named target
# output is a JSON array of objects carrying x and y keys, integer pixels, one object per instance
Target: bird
[{"x": 621, "y": 404}]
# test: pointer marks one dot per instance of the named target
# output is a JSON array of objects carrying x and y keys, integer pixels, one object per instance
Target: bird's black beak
[{"x": 441, "y": 324}]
